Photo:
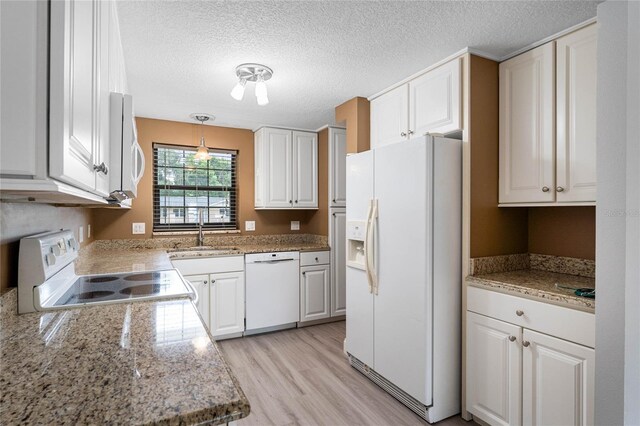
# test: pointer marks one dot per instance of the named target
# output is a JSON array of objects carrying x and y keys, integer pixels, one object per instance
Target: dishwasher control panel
[{"x": 272, "y": 257}]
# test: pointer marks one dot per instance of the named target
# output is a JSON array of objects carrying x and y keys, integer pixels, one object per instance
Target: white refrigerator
[{"x": 404, "y": 208}]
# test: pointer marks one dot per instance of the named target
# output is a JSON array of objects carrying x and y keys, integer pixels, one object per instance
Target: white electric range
[{"x": 47, "y": 278}]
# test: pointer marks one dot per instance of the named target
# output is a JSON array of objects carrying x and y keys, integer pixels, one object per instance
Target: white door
[
  {"x": 576, "y": 108},
  {"x": 74, "y": 91},
  {"x": 358, "y": 297},
  {"x": 389, "y": 117},
  {"x": 337, "y": 167},
  {"x": 278, "y": 174},
  {"x": 435, "y": 100},
  {"x": 337, "y": 229},
  {"x": 315, "y": 290},
  {"x": 494, "y": 368},
  {"x": 305, "y": 170},
  {"x": 557, "y": 381},
  {"x": 227, "y": 304},
  {"x": 201, "y": 284},
  {"x": 403, "y": 306},
  {"x": 527, "y": 112}
]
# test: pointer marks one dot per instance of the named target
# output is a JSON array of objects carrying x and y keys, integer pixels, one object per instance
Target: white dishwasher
[{"x": 272, "y": 291}]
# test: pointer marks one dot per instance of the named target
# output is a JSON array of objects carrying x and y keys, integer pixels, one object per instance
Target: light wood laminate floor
[{"x": 302, "y": 377}]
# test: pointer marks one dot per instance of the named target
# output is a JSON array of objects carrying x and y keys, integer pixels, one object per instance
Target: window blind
[{"x": 185, "y": 187}]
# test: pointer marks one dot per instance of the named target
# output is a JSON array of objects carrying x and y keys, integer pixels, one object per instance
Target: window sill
[{"x": 195, "y": 232}]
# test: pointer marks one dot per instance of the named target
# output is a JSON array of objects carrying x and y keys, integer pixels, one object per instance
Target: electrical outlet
[
  {"x": 81, "y": 234},
  {"x": 88, "y": 232},
  {"x": 295, "y": 225},
  {"x": 138, "y": 228},
  {"x": 249, "y": 225}
]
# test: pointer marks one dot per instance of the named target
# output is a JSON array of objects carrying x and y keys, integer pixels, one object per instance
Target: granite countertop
[
  {"x": 537, "y": 284},
  {"x": 131, "y": 363}
]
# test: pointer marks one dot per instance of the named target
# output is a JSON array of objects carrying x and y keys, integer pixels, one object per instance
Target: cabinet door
[
  {"x": 305, "y": 170},
  {"x": 389, "y": 117},
  {"x": 226, "y": 304},
  {"x": 201, "y": 285},
  {"x": 117, "y": 74},
  {"x": 74, "y": 92},
  {"x": 494, "y": 366},
  {"x": 337, "y": 229},
  {"x": 278, "y": 160},
  {"x": 434, "y": 100},
  {"x": 337, "y": 167},
  {"x": 315, "y": 293},
  {"x": 576, "y": 108},
  {"x": 557, "y": 381},
  {"x": 527, "y": 111}
]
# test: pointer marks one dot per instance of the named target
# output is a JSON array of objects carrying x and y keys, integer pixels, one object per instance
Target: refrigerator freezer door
[
  {"x": 359, "y": 299},
  {"x": 403, "y": 306}
]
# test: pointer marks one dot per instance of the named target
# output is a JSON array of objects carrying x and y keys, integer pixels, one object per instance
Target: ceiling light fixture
[
  {"x": 202, "y": 153},
  {"x": 256, "y": 73}
]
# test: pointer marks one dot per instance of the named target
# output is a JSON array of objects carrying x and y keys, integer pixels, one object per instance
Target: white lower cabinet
[
  {"x": 219, "y": 282},
  {"x": 518, "y": 376},
  {"x": 315, "y": 292},
  {"x": 338, "y": 243}
]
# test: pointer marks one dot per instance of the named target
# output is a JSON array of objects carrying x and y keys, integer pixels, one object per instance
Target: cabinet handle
[
  {"x": 304, "y": 273},
  {"x": 410, "y": 132},
  {"x": 519, "y": 313},
  {"x": 205, "y": 283},
  {"x": 403, "y": 134},
  {"x": 559, "y": 189},
  {"x": 512, "y": 338},
  {"x": 316, "y": 259},
  {"x": 545, "y": 189},
  {"x": 213, "y": 281},
  {"x": 101, "y": 168},
  {"x": 334, "y": 201},
  {"x": 290, "y": 202},
  {"x": 525, "y": 343},
  {"x": 296, "y": 201}
]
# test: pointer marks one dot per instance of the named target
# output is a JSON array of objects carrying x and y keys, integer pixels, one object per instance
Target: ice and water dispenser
[{"x": 355, "y": 244}]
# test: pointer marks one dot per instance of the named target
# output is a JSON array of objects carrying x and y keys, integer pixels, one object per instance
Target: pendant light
[
  {"x": 203, "y": 152},
  {"x": 255, "y": 73}
]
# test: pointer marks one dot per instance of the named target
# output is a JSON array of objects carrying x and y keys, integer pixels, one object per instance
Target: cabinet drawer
[
  {"x": 315, "y": 258},
  {"x": 565, "y": 323},
  {"x": 209, "y": 265}
]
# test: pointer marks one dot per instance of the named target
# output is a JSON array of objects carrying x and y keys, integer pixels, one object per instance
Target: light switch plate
[
  {"x": 88, "y": 232},
  {"x": 249, "y": 225},
  {"x": 81, "y": 234},
  {"x": 295, "y": 225},
  {"x": 138, "y": 228}
]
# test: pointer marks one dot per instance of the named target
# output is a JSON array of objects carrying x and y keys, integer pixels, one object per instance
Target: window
[{"x": 184, "y": 188}]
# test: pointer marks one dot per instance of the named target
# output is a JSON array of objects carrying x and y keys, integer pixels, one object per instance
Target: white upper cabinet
[
  {"x": 548, "y": 123},
  {"x": 117, "y": 72},
  {"x": 430, "y": 103},
  {"x": 389, "y": 117},
  {"x": 434, "y": 100},
  {"x": 286, "y": 169},
  {"x": 576, "y": 109},
  {"x": 79, "y": 101},
  {"x": 337, "y": 167},
  {"x": 527, "y": 101},
  {"x": 305, "y": 170}
]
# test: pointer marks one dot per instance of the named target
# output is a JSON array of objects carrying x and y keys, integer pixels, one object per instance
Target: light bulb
[
  {"x": 261, "y": 91},
  {"x": 202, "y": 153},
  {"x": 238, "y": 90}
]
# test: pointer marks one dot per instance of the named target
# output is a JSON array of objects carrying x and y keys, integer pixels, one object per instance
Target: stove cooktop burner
[
  {"x": 141, "y": 290},
  {"x": 93, "y": 295},
  {"x": 143, "y": 277},
  {"x": 101, "y": 279}
]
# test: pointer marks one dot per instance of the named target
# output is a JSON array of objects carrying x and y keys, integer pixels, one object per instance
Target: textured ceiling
[{"x": 181, "y": 56}]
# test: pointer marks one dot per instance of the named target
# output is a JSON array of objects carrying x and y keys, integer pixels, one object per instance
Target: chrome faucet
[{"x": 200, "y": 233}]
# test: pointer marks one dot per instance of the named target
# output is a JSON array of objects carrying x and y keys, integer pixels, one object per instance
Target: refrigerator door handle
[
  {"x": 366, "y": 246},
  {"x": 371, "y": 252}
]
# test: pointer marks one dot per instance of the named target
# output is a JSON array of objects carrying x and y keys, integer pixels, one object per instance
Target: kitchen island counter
[{"x": 128, "y": 363}]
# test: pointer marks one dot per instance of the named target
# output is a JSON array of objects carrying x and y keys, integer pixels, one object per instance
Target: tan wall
[
  {"x": 563, "y": 231},
  {"x": 320, "y": 223},
  {"x": 19, "y": 220},
  {"x": 355, "y": 115},
  {"x": 494, "y": 230},
  {"x": 112, "y": 224}
]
